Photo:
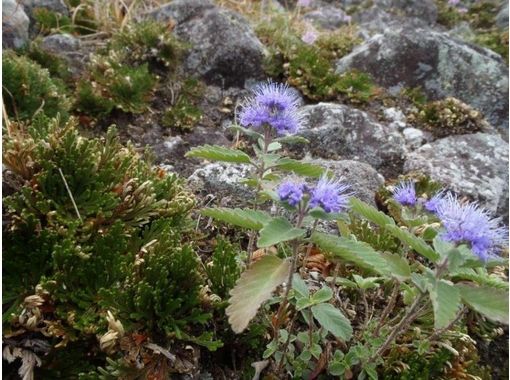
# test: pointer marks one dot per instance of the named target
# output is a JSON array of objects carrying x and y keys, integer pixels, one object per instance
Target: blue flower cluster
[
  {"x": 464, "y": 223},
  {"x": 274, "y": 105},
  {"x": 329, "y": 194},
  {"x": 471, "y": 224}
]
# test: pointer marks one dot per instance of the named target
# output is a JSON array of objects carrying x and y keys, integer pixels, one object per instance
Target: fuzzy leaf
[
  {"x": 250, "y": 219},
  {"x": 219, "y": 153},
  {"x": 300, "y": 168},
  {"x": 416, "y": 243},
  {"x": 357, "y": 252},
  {"x": 446, "y": 303},
  {"x": 276, "y": 231},
  {"x": 370, "y": 213},
  {"x": 491, "y": 302},
  {"x": 322, "y": 295},
  {"x": 333, "y": 320},
  {"x": 398, "y": 265},
  {"x": 300, "y": 286},
  {"x": 253, "y": 288},
  {"x": 292, "y": 139}
]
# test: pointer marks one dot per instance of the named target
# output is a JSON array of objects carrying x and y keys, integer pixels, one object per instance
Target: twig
[
  {"x": 387, "y": 310},
  {"x": 70, "y": 194},
  {"x": 439, "y": 332}
]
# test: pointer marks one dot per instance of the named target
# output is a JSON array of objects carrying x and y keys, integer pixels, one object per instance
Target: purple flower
[
  {"x": 433, "y": 203},
  {"x": 291, "y": 192},
  {"x": 310, "y": 36},
  {"x": 331, "y": 195},
  {"x": 405, "y": 194},
  {"x": 453, "y": 2},
  {"x": 469, "y": 223},
  {"x": 275, "y": 105}
]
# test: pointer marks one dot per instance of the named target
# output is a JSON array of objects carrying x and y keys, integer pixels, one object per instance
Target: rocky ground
[{"x": 403, "y": 44}]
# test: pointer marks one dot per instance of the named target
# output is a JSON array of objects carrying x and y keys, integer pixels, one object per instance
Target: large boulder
[
  {"x": 475, "y": 165},
  {"x": 440, "y": 65},
  {"x": 341, "y": 132},
  {"x": 224, "y": 49},
  {"x": 15, "y": 25}
]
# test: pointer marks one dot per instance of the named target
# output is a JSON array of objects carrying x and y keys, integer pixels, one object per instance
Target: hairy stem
[{"x": 387, "y": 310}]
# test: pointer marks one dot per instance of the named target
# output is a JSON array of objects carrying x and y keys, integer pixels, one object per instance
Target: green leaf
[
  {"x": 276, "y": 231},
  {"x": 300, "y": 168},
  {"x": 446, "y": 303},
  {"x": 398, "y": 266},
  {"x": 274, "y": 146},
  {"x": 332, "y": 320},
  {"x": 247, "y": 132},
  {"x": 366, "y": 283},
  {"x": 491, "y": 302},
  {"x": 370, "y": 213},
  {"x": 253, "y": 288},
  {"x": 415, "y": 242},
  {"x": 359, "y": 253},
  {"x": 250, "y": 219},
  {"x": 292, "y": 139},
  {"x": 300, "y": 286},
  {"x": 322, "y": 295},
  {"x": 303, "y": 303},
  {"x": 219, "y": 153}
]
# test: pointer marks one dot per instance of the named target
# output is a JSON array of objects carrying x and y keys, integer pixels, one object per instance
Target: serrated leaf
[
  {"x": 292, "y": 139},
  {"x": 370, "y": 213},
  {"x": 248, "y": 132},
  {"x": 300, "y": 168},
  {"x": 398, "y": 266},
  {"x": 491, "y": 302},
  {"x": 300, "y": 286},
  {"x": 481, "y": 277},
  {"x": 219, "y": 153},
  {"x": 253, "y": 288},
  {"x": 322, "y": 295},
  {"x": 446, "y": 303},
  {"x": 357, "y": 252},
  {"x": 250, "y": 219},
  {"x": 277, "y": 231},
  {"x": 332, "y": 320},
  {"x": 415, "y": 242}
]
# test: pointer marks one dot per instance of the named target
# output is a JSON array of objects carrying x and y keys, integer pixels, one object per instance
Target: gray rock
[
  {"x": 341, "y": 132},
  {"x": 57, "y": 6},
  {"x": 224, "y": 49},
  {"x": 61, "y": 43},
  {"x": 502, "y": 16},
  {"x": 15, "y": 25},
  {"x": 223, "y": 182},
  {"x": 414, "y": 137},
  {"x": 475, "y": 165},
  {"x": 364, "y": 180},
  {"x": 408, "y": 57},
  {"x": 327, "y": 17}
]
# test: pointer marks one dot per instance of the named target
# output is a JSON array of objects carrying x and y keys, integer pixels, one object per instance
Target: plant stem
[
  {"x": 260, "y": 174},
  {"x": 387, "y": 310},
  {"x": 399, "y": 328},
  {"x": 310, "y": 245}
]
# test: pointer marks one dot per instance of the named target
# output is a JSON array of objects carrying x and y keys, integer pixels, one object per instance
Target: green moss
[
  {"x": 447, "y": 117},
  {"x": 494, "y": 39},
  {"x": 223, "y": 270},
  {"x": 82, "y": 21},
  {"x": 447, "y": 14},
  {"x": 148, "y": 41},
  {"x": 29, "y": 89},
  {"x": 94, "y": 228},
  {"x": 310, "y": 68},
  {"x": 184, "y": 114},
  {"x": 57, "y": 66}
]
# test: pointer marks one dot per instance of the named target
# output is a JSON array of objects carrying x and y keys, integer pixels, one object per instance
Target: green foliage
[
  {"x": 28, "y": 89},
  {"x": 49, "y": 21},
  {"x": 94, "y": 228},
  {"x": 310, "y": 68},
  {"x": 223, "y": 270},
  {"x": 57, "y": 66},
  {"x": 250, "y": 219},
  {"x": 276, "y": 231},
  {"x": 494, "y": 39},
  {"x": 117, "y": 84},
  {"x": 184, "y": 114},
  {"x": 122, "y": 75},
  {"x": 148, "y": 41},
  {"x": 447, "y": 117},
  {"x": 219, "y": 153},
  {"x": 255, "y": 287}
]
